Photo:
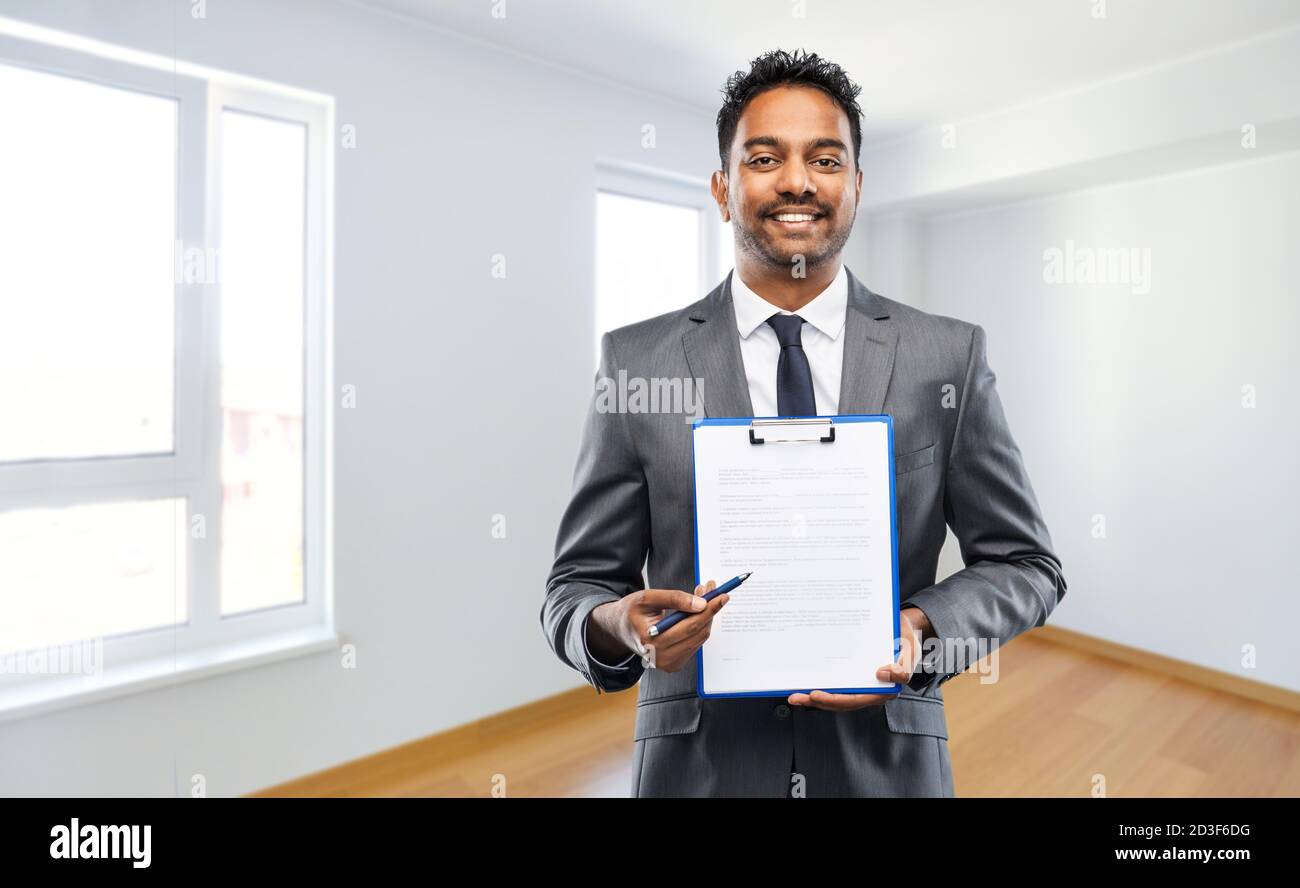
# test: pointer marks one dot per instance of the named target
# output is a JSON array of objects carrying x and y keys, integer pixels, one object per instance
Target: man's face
[{"x": 792, "y": 153}]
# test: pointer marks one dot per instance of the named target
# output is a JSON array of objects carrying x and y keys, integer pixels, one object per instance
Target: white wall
[
  {"x": 470, "y": 390},
  {"x": 1130, "y": 406}
]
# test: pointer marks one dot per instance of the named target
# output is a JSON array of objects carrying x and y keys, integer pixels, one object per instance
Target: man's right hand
[{"x": 620, "y": 626}]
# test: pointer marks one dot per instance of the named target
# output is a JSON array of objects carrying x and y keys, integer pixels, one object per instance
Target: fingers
[
  {"x": 674, "y": 599},
  {"x": 690, "y": 629},
  {"x": 676, "y": 645},
  {"x": 909, "y": 655},
  {"x": 838, "y": 702},
  {"x": 895, "y": 672}
]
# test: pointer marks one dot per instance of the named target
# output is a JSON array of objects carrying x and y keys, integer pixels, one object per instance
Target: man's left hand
[{"x": 913, "y": 626}]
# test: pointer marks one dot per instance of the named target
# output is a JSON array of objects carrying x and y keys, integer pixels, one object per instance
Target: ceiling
[{"x": 919, "y": 62}]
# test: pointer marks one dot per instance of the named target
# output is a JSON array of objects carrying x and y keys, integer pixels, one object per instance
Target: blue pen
[{"x": 677, "y": 616}]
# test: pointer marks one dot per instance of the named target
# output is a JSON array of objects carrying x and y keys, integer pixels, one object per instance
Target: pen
[{"x": 677, "y": 616}]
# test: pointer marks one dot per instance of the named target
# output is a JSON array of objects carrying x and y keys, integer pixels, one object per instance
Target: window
[
  {"x": 726, "y": 254},
  {"x": 659, "y": 246},
  {"x": 86, "y": 286},
  {"x": 163, "y": 337},
  {"x": 262, "y": 202}
]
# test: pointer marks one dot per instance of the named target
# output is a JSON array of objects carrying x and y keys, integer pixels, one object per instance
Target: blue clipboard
[{"x": 776, "y": 422}]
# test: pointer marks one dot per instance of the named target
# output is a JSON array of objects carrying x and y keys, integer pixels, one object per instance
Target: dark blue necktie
[{"x": 794, "y": 385}]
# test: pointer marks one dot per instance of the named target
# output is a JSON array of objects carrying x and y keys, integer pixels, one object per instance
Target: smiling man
[{"x": 791, "y": 332}]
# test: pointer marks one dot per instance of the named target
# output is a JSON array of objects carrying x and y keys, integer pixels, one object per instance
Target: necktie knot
[{"x": 789, "y": 329}]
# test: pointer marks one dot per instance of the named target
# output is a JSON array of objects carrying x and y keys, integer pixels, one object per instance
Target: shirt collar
[{"x": 826, "y": 311}]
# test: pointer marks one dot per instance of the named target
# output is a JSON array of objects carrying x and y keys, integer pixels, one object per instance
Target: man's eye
[
  {"x": 830, "y": 161},
  {"x": 758, "y": 161}
]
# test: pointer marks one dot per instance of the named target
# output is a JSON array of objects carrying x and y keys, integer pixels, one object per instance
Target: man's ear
[
  {"x": 718, "y": 185},
  {"x": 857, "y": 200}
]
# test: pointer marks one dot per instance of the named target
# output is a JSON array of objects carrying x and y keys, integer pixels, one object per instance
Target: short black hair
[{"x": 781, "y": 68}]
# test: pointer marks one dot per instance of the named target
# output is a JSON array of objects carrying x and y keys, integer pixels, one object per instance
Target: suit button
[{"x": 781, "y": 711}]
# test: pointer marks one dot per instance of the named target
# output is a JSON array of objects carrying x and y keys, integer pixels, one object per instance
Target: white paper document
[{"x": 814, "y": 522}]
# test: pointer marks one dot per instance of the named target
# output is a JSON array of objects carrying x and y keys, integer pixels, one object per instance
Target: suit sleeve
[
  {"x": 602, "y": 542},
  {"x": 1012, "y": 580}
]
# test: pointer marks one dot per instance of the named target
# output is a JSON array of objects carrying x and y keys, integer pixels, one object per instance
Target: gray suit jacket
[{"x": 956, "y": 465}]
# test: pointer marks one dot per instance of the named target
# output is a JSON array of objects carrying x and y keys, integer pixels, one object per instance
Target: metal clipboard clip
[{"x": 817, "y": 430}]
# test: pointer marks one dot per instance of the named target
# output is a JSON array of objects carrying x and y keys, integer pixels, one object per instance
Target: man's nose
[{"x": 795, "y": 180}]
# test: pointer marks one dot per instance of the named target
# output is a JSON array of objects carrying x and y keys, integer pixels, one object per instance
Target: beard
[{"x": 753, "y": 237}]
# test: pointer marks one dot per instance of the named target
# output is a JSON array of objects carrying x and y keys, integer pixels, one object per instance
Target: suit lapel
[
  {"x": 869, "y": 348},
  {"x": 713, "y": 353},
  {"x": 712, "y": 349}
]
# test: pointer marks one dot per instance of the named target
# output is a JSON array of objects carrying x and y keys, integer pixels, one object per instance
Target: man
[{"x": 791, "y": 332}]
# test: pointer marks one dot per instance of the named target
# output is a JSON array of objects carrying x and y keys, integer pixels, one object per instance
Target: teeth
[{"x": 795, "y": 217}]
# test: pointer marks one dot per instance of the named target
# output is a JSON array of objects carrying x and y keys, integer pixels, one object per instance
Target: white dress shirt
[{"x": 822, "y": 335}]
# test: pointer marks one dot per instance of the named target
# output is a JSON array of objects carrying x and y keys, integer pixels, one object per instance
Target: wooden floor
[{"x": 1055, "y": 719}]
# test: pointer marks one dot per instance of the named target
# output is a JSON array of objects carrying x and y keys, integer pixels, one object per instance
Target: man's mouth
[{"x": 796, "y": 221}]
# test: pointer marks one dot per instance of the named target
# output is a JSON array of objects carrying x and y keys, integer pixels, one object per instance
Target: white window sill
[{"x": 49, "y": 693}]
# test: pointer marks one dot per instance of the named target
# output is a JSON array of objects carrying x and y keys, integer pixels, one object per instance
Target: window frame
[
  {"x": 659, "y": 186},
  {"x": 662, "y": 186},
  {"x": 191, "y": 471}
]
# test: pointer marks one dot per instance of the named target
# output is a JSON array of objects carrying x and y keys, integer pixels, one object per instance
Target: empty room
[{"x": 746, "y": 399}]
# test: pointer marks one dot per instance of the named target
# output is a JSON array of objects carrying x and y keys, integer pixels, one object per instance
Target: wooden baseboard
[{"x": 1201, "y": 675}]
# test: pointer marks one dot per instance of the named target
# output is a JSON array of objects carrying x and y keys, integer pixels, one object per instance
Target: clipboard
[{"x": 809, "y": 433}]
